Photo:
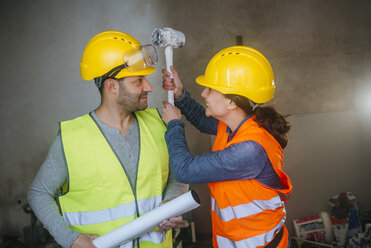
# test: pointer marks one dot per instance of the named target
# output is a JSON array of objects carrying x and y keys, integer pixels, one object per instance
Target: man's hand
[
  {"x": 84, "y": 241},
  {"x": 171, "y": 223},
  {"x": 172, "y": 83}
]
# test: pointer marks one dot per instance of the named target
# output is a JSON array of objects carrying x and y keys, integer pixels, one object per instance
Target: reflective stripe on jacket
[
  {"x": 98, "y": 197},
  {"x": 246, "y": 213}
]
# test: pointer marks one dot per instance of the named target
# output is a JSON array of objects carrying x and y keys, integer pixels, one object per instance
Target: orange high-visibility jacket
[{"x": 246, "y": 213}]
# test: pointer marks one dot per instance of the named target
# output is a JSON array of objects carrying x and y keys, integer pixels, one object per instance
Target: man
[{"x": 110, "y": 166}]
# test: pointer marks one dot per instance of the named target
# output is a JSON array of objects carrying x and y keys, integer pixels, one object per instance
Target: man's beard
[
  {"x": 131, "y": 103},
  {"x": 142, "y": 106}
]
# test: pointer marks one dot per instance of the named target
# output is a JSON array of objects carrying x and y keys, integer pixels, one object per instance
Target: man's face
[{"x": 133, "y": 93}]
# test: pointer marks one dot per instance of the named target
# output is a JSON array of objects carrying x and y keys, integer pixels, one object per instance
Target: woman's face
[{"x": 216, "y": 103}]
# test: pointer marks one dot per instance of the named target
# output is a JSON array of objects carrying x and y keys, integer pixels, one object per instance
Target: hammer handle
[{"x": 169, "y": 63}]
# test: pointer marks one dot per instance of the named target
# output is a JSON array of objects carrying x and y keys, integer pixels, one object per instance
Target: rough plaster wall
[
  {"x": 42, "y": 43},
  {"x": 320, "y": 52}
]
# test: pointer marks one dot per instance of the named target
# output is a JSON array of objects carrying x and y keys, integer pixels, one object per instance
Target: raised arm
[{"x": 193, "y": 111}]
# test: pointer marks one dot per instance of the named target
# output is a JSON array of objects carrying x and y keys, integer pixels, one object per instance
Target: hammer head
[{"x": 163, "y": 37}]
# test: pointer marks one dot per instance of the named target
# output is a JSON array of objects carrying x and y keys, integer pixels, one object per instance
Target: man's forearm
[
  {"x": 174, "y": 188},
  {"x": 43, "y": 192},
  {"x": 46, "y": 210}
]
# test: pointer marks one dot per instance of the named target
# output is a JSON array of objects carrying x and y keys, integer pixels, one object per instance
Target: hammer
[{"x": 168, "y": 38}]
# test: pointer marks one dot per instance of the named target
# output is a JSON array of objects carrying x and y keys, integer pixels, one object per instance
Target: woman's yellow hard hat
[{"x": 240, "y": 70}]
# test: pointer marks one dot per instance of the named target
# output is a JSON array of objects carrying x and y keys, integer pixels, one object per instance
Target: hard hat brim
[
  {"x": 202, "y": 81},
  {"x": 263, "y": 96},
  {"x": 145, "y": 71}
]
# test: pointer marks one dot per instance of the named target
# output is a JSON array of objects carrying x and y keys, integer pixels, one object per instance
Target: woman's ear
[{"x": 231, "y": 105}]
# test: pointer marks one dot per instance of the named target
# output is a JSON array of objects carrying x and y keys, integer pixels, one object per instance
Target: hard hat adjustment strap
[
  {"x": 98, "y": 82},
  {"x": 111, "y": 74},
  {"x": 253, "y": 105}
]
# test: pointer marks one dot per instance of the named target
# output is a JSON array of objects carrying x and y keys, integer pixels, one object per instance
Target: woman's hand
[
  {"x": 170, "y": 112},
  {"x": 172, "y": 83},
  {"x": 84, "y": 241}
]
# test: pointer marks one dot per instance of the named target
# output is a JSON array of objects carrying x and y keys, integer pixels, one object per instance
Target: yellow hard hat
[
  {"x": 105, "y": 52},
  {"x": 240, "y": 70}
]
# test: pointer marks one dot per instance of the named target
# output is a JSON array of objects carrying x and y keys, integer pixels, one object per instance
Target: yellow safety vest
[{"x": 97, "y": 197}]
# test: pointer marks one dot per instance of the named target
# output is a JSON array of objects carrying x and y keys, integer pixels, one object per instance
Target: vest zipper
[
  {"x": 136, "y": 176},
  {"x": 118, "y": 158}
]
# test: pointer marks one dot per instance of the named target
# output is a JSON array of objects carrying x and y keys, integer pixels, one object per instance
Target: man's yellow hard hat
[
  {"x": 240, "y": 70},
  {"x": 105, "y": 51}
]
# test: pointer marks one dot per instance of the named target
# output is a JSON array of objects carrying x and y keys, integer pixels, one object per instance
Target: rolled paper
[{"x": 136, "y": 228}]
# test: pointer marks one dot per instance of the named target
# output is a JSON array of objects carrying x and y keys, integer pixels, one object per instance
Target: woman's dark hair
[{"x": 266, "y": 117}]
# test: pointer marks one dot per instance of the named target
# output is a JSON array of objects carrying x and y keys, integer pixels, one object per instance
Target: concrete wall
[
  {"x": 328, "y": 153},
  {"x": 320, "y": 52}
]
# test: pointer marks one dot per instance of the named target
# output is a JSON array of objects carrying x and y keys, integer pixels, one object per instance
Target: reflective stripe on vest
[
  {"x": 121, "y": 211},
  {"x": 127, "y": 245},
  {"x": 245, "y": 210},
  {"x": 255, "y": 241},
  {"x": 154, "y": 237}
]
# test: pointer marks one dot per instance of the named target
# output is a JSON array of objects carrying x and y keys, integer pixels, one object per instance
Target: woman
[{"x": 244, "y": 171}]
